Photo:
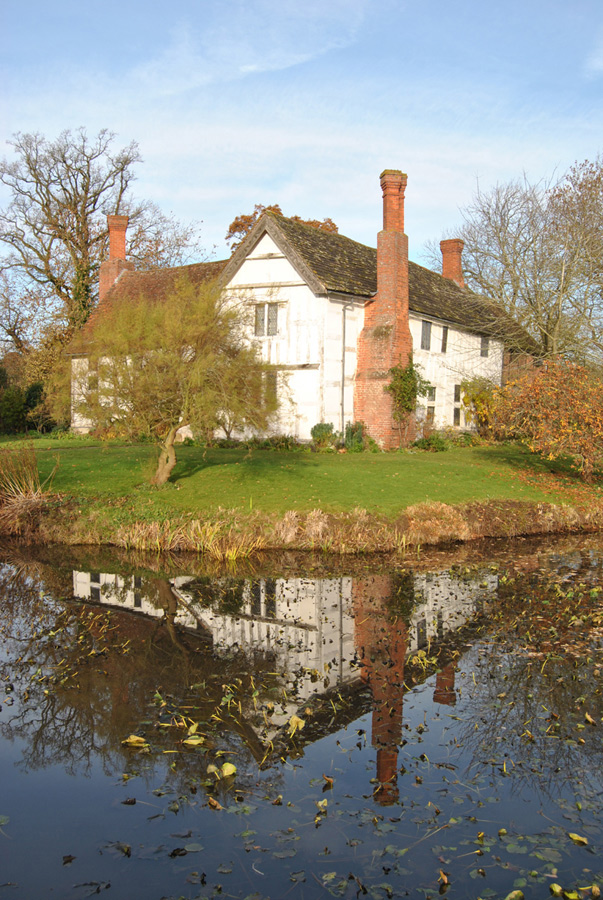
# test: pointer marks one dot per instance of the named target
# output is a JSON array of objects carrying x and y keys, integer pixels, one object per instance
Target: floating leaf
[
  {"x": 577, "y": 838},
  {"x": 214, "y": 804},
  {"x": 135, "y": 742},
  {"x": 556, "y": 890},
  {"x": 193, "y": 740},
  {"x": 228, "y": 769},
  {"x": 295, "y": 724},
  {"x": 193, "y": 848},
  {"x": 4, "y": 820}
]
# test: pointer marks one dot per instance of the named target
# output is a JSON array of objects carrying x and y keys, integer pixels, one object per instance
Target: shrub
[
  {"x": 478, "y": 400},
  {"x": 323, "y": 436},
  {"x": 436, "y": 443},
  {"x": 556, "y": 409}
]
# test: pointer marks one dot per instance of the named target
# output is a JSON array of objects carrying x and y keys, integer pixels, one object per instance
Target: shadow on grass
[
  {"x": 192, "y": 460},
  {"x": 522, "y": 459}
]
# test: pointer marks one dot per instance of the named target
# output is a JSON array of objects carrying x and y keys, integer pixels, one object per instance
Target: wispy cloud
[
  {"x": 594, "y": 62},
  {"x": 237, "y": 39}
]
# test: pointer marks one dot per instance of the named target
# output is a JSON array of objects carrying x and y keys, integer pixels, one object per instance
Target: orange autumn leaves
[{"x": 557, "y": 409}]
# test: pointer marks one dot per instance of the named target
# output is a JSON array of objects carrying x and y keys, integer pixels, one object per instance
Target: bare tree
[
  {"x": 54, "y": 228},
  {"x": 532, "y": 248}
]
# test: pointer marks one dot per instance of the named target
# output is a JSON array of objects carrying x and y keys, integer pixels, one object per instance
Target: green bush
[
  {"x": 323, "y": 436},
  {"x": 436, "y": 443}
]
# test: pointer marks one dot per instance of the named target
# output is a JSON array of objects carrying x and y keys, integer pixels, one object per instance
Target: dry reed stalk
[
  {"x": 22, "y": 495},
  {"x": 433, "y": 523}
]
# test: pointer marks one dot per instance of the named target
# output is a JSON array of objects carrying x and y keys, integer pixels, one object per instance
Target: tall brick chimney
[
  {"x": 452, "y": 264},
  {"x": 111, "y": 268},
  {"x": 385, "y": 340}
]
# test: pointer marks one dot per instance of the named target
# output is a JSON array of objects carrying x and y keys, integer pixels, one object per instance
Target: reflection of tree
[
  {"x": 529, "y": 672},
  {"x": 84, "y": 679}
]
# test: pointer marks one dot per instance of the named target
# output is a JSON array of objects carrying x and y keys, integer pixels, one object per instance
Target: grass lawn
[{"x": 277, "y": 481}]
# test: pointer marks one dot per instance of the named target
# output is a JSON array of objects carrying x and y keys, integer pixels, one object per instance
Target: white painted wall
[
  {"x": 461, "y": 360},
  {"x": 308, "y": 345}
]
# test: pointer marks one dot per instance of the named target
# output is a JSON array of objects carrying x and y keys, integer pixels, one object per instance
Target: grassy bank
[{"x": 343, "y": 502}]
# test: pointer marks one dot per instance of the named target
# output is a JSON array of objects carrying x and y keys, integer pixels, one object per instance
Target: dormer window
[{"x": 266, "y": 319}]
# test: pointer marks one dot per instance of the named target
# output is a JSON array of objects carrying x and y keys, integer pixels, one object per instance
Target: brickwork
[
  {"x": 452, "y": 262},
  {"x": 385, "y": 339},
  {"x": 111, "y": 268}
]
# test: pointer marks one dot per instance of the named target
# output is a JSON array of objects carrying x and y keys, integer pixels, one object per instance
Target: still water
[{"x": 300, "y": 728}]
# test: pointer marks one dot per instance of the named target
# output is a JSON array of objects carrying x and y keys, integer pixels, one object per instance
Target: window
[
  {"x": 457, "y": 416},
  {"x": 425, "y": 335},
  {"x": 266, "y": 319},
  {"x": 431, "y": 394},
  {"x": 430, "y": 418},
  {"x": 485, "y": 346},
  {"x": 444, "y": 338},
  {"x": 457, "y": 393}
]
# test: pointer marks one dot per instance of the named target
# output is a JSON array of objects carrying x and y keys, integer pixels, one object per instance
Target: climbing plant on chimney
[{"x": 406, "y": 385}]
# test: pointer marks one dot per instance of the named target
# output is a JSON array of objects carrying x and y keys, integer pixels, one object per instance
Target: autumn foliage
[
  {"x": 242, "y": 225},
  {"x": 557, "y": 409}
]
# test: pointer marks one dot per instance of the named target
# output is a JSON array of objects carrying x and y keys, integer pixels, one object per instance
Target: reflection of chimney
[
  {"x": 381, "y": 644},
  {"x": 444, "y": 690},
  {"x": 452, "y": 264},
  {"x": 111, "y": 268}
]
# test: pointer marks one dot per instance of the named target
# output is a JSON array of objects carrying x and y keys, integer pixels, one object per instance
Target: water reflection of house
[
  {"x": 304, "y": 623},
  {"x": 320, "y": 633}
]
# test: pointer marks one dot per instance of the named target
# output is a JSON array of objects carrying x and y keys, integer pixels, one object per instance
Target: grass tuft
[{"x": 22, "y": 495}]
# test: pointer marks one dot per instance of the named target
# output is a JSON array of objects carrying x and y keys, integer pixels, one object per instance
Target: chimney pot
[
  {"x": 452, "y": 263},
  {"x": 393, "y": 185}
]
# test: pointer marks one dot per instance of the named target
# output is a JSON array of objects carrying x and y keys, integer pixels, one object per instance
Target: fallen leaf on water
[
  {"x": 228, "y": 769},
  {"x": 295, "y": 724},
  {"x": 577, "y": 838},
  {"x": 214, "y": 804},
  {"x": 135, "y": 742}
]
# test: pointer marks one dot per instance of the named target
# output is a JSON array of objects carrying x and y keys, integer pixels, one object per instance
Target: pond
[{"x": 301, "y": 727}]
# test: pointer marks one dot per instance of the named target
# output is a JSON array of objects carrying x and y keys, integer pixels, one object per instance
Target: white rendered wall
[
  {"x": 308, "y": 345},
  {"x": 461, "y": 360}
]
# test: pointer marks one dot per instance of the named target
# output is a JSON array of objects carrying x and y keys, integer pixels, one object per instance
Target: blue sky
[{"x": 237, "y": 102}]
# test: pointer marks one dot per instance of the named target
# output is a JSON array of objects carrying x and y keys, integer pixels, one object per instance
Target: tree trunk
[{"x": 167, "y": 459}]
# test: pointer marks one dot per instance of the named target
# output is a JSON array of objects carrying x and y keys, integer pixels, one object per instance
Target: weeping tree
[{"x": 152, "y": 367}]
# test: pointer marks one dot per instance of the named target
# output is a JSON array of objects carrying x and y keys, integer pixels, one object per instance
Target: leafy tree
[
  {"x": 477, "y": 397},
  {"x": 406, "y": 386},
  {"x": 240, "y": 227},
  {"x": 155, "y": 367},
  {"x": 537, "y": 249},
  {"x": 557, "y": 409},
  {"x": 54, "y": 229}
]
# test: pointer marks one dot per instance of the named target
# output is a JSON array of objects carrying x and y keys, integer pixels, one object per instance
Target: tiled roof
[
  {"x": 153, "y": 284},
  {"x": 347, "y": 267},
  {"x": 335, "y": 264}
]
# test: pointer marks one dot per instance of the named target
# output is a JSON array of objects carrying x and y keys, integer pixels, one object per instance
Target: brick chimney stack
[
  {"x": 452, "y": 264},
  {"x": 111, "y": 268},
  {"x": 385, "y": 341}
]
